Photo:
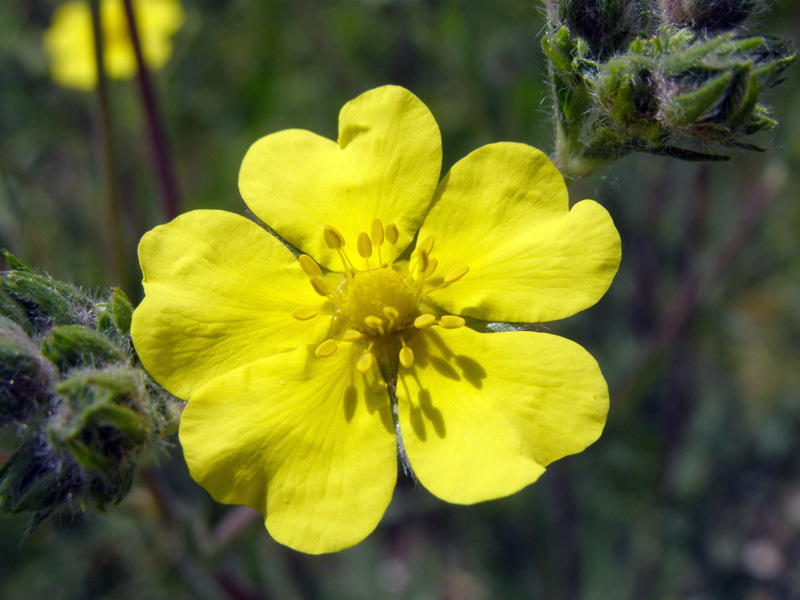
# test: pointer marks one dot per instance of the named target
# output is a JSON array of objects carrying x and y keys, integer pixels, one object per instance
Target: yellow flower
[
  {"x": 70, "y": 39},
  {"x": 289, "y": 365}
]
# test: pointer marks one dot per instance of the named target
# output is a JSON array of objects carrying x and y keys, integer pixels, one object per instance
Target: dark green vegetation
[{"x": 693, "y": 492}]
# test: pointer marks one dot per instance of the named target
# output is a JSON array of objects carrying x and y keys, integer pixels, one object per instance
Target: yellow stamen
[
  {"x": 451, "y": 322},
  {"x": 392, "y": 233},
  {"x": 377, "y": 232},
  {"x": 453, "y": 276},
  {"x": 351, "y": 335},
  {"x": 364, "y": 363},
  {"x": 309, "y": 267},
  {"x": 374, "y": 322},
  {"x": 391, "y": 313},
  {"x": 364, "y": 245},
  {"x": 423, "y": 321},
  {"x": 377, "y": 238},
  {"x": 426, "y": 244},
  {"x": 432, "y": 264},
  {"x": 422, "y": 261},
  {"x": 326, "y": 349},
  {"x": 349, "y": 268},
  {"x": 406, "y": 357},
  {"x": 333, "y": 238},
  {"x": 304, "y": 314},
  {"x": 322, "y": 287}
]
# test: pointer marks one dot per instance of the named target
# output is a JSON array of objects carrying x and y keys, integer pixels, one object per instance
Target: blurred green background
[{"x": 693, "y": 492}]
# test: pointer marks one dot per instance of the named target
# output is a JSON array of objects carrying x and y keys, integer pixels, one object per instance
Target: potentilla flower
[
  {"x": 304, "y": 374},
  {"x": 70, "y": 39}
]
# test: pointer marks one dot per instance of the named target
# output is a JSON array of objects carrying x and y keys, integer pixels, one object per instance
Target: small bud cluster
[
  {"x": 627, "y": 77},
  {"x": 81, "y": 409}
]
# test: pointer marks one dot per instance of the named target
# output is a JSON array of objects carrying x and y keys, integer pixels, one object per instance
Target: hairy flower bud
[
  {"x": 605, "y": 24},
  {"x": 25, "y": 375},
  {"x": 104, "y": 417},
  {"x": 46, "y": 301},
  {"x": 38, "y": 480},
  {"x": 708, "y": 15},
  {"x": 679, "y": 87},
  {"x": 86, "y": 411}
]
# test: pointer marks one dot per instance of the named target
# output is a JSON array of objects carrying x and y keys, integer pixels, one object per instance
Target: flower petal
[
  {"x": 307, "y": 441},
  {"x": 482, "y": 414},
  {"x": 386, "y": 165},
  {"x": 503, "y": 212},
  {"x": 70, "y": 43},
  {"x": 219, "y": 293}
]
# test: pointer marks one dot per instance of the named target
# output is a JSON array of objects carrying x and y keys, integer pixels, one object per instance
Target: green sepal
[
  {"x": 741, "y": 100},
  {"x": 14, "y": 263},
  {"x": 686, "y": 108},
  {"x": 70, "y": 346}
]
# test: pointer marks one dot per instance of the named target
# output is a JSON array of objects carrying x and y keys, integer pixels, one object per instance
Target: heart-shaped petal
[{"x": 386, "y": 165}]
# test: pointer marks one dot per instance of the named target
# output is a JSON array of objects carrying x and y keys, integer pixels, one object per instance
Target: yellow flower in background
[
  {"x": 289, "y": 364},
  {"x": 70, "y": 39}
]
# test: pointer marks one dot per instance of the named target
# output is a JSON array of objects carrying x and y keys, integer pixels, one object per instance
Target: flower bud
[
  {"x": 25, "y": 375},
  {"x": 13, "y": 310},
  {"x": 605, "y": 24},
  {"x": 104, "y": 418},
  {"x": 38, "y": 479},
  {"x": 625, "y": 85},
  {"x": 46, "y": 301},
  {"x": 70, "y": 346},
  {"x": 707, "y": 15}
]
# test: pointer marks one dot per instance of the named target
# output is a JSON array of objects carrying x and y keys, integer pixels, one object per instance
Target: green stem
[
  {"x": 155, "y": 128},
  {"x": 107, "y": 156}
]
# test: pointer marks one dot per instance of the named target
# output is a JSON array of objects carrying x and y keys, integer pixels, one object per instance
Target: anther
[
  {"x": 364, "y": 245},
  {"x": 426, "y": 244},
  {"x": 451, "y": 322},
  {"x": 374, "y": 322},
  {"x": 351, "y": 335},
  {"x": 326, "y": 348},
  {"x": 333, "y": 238},
  {"x": 377, "y": 232},
  {"x": 422, "y": 261},
  {"x": 309, "y": 267},
  {"x": 456, "y": 275},
  {"x": 392, "y": 233},
  {"x": 423, "y": 321},
  {"x": 432, "y": 264},
  {"x": 391, "y": 313},
  {"x": 322, "y": 287},
  {"x": 304, "y": 314},
  {"x": 364, "y": 363},
  {"x": 406, "y": 357}
]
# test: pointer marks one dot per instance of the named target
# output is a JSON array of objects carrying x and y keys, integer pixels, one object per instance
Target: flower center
[
  {"x": 382, "y": 305},
  {"x": 380, "y": 302}
]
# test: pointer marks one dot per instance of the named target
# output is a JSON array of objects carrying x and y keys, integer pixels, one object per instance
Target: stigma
[{"x": 378, "y": 301}]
